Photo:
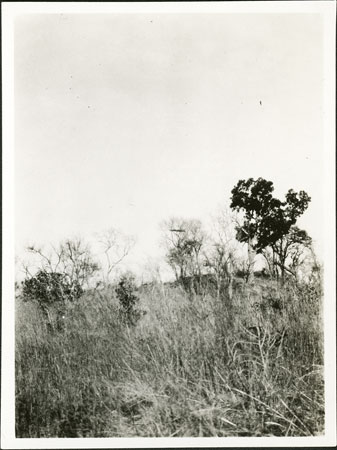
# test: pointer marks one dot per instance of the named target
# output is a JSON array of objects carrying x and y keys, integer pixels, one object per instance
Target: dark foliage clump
[
  {"x": 128, "y": 299},
  {"x": 48, "y": 288}
]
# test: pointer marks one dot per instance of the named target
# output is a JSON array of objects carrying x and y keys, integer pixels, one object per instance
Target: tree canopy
[
  {"x": 269, "y": 222},
  {"x": 266, "y": 218}
]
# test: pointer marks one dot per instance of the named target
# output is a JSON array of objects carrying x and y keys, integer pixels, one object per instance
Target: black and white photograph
[{"x": 169, "y": 211}]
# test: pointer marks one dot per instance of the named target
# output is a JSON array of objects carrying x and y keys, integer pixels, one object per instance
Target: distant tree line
[
  {"x": 264, "y": 223},
  {"x": 257, "y": 220}
]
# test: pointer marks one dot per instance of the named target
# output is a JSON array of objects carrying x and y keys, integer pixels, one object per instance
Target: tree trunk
[{"x": 251, "y": 256}]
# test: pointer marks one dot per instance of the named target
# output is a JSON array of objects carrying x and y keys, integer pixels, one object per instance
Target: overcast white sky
[{"x": 125, "y": 120}]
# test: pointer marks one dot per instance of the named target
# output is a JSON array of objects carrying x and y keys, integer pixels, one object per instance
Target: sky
[{"x": 124, "y": 120}]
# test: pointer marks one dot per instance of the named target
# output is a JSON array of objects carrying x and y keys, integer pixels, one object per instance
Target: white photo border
[{"x": 9, "y": 11}]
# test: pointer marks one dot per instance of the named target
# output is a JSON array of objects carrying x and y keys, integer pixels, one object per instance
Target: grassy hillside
[{"x": 193, "y": 365}]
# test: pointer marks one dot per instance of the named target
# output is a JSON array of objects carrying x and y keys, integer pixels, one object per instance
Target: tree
[
  {"x": 62, "y": 275},
  {"x": 72, "y": 258},
  {"x": 291, "y": 251},
  {"x": 50, "y": 287},
  {"x": 51, "y": 291},
  {"x": 183, "y": 240},
  {"x": 267, "y": 221},
  {"x": 116, "y": 246},
  {"x": 220, "y": 253}
]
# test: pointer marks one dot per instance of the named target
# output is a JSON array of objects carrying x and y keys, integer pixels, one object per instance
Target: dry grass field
[{"x": 193, "y": 365}]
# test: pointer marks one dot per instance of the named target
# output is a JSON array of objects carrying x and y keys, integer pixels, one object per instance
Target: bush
[
  {"x": 48, "y": 288},
  {"x": 52, "y": 292},
  {"x": 128, "y": 300}
]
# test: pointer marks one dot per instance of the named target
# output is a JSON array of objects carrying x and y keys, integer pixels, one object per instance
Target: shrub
[
  {"x": 49, "y": 287},
  {"x": 128, "y": 299},
  {"x": 52, "y": 292}
]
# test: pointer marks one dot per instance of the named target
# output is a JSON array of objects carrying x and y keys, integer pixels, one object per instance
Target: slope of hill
[{"x": 193, "y": 365}]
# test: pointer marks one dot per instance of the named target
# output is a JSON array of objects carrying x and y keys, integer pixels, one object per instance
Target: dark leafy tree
[
  {"x": 47, "y": 288},
  {"x": 267, "y": 221},
  {"x": 51, "y": 291}
]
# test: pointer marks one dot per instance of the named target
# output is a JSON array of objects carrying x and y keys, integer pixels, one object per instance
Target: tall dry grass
[{"x": 194, "y": 365}]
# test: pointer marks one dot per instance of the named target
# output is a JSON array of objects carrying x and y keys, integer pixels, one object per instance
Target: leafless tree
[
  {"x": 220, "y": 252},
  {"x": 115, "y": 246},
  {"x": 59, "y": 276},
  {"x": 289, "y": 253},
  {"x": 184, "y": 240},
  {"x": 72, "y": 258}
]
